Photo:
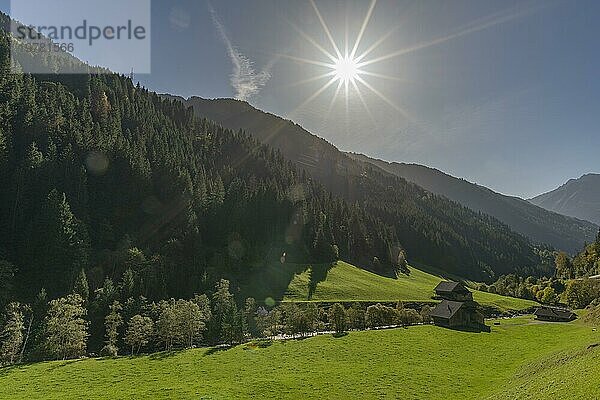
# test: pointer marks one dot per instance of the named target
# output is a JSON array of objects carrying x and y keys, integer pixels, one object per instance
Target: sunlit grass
[
  {"x": 421, "y": 362},
  {"x": 345, "y": 282}
]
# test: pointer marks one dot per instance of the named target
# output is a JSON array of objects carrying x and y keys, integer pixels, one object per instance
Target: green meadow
[
  {"x": 345, "y": 282},
  {"x": 520, "y": 358}
]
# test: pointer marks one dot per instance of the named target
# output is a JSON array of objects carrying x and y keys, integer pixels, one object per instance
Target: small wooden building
[
  {"x": 454, "y": 291},
  {"x": 457, "y": 308},
  {"x": 554, "y": 314},
  {"x": 452, "y": 314}
]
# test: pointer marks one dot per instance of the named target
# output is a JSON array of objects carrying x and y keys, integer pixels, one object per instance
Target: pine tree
[
  {"x": 127, "y": 284},
  {"x": 63, "y": 243},
  {"x": 34, "y": 158},
  {"x": 224, "y": 312},
  {"x": 100, "y": 104},
  {"x": 81, "y": 286},
  {"x": 112, "y": 322},
  {"x": 337, "y": 317}
]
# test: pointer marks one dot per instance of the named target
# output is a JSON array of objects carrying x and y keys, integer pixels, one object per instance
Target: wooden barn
[
  {"x": 554, "y": 314},
  {"x": 457, "y": 308},
  {"x": 452, "y": 314},
  {"x": 454, "y": 291}
]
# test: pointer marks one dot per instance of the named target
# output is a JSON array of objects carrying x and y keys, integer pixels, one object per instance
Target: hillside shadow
[
  {"x": 6, "y": 370},
  {"x": 271, "y": 280},
  {"x": 435, "y": 271},
  {"x": 317, "y": 273},
  {"x": 216, "y": 349},
  {"x": 163, "y": 355},
  {"x": 338, "y": 335},
  {"x": 63, "y": 364},
  {"x": 54, "y": 365}
]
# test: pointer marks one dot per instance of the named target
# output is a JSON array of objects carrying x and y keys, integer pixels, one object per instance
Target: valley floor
[{"x": 518, "y": 359}]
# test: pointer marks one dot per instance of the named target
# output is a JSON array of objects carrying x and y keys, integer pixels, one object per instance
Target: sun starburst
[
  {"x": 344, "y": 68},
  {"x": 347, "y": 68}
]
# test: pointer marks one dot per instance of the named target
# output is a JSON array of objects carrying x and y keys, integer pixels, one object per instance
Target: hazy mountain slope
[
  {"x": 433, "y": 229},
  {"x": 578, "y": 198},
  {"x": 560, "y": 231},
  {"x": 309, "y": 151}
]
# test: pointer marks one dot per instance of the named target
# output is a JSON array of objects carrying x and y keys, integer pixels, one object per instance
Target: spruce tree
[
  {"x": 112, "y": 323},
  {"x": 34, "y": 158},
  {"x": 224, "y": 312},
  {"x": 81, "y": 286}
]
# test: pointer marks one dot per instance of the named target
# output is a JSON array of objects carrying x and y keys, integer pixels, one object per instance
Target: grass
[
  {"x": 560, "y": 376},
  {"x": 415, "y": 363},
  {"x": 344, "y": 282}
]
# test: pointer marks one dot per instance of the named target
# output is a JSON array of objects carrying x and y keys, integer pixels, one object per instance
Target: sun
[
  {"x": 346, "y": 69},
  {"x": 351, "y": 69}
]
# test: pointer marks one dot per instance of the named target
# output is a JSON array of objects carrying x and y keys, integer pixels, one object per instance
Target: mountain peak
[{"x": 578, "y": 198}]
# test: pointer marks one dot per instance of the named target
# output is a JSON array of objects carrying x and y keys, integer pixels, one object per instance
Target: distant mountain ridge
[
  {"x": 324, "y": 161},
  {"x": 563, "y": 232},
  {"x": 433, "y": 229},
  {"x": 578, "y": 198}
]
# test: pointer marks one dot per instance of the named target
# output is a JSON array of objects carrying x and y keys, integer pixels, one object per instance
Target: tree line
[
  {"x": 63, "y": 328},
  {"x": 569, "y": 284}
]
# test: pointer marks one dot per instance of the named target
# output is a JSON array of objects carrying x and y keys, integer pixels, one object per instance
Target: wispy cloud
[{"x": 246, "y": 82}]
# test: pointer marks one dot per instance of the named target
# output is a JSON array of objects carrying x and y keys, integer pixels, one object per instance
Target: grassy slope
[
  {"x": 345, "y": 282},
  {"x": 569, "y": 374},
  {"x": 414, "y": 363}
]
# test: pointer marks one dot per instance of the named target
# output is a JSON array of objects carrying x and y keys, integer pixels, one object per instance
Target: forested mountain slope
[
  {"x": 578, "y": 198},
  {"x": 542, "y": 226},
  {"x": 433, "y": 229},
  {"x": 102, "y": 176}
]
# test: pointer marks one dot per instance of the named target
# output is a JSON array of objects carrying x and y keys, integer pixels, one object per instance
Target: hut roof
[
  {"x": 554, "y": 312},
  {"x": 450, "y": 286},
  {"x": 447, "y": 308}
]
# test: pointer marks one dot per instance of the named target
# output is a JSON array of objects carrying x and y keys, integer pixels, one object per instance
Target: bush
[
  {"x": 408, "y": 316},
  {"x": 356, "y": 317},
  {"x": 425, "y": 314},
  {"x": 337, "y": 317},
  {"x": 380, "y": 315}
]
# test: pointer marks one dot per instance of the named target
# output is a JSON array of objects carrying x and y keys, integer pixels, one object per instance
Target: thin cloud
[{"x": 246, "y": 82}]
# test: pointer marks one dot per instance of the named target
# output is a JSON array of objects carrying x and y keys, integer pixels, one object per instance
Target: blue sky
[{"x": 502, "y": 93}]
